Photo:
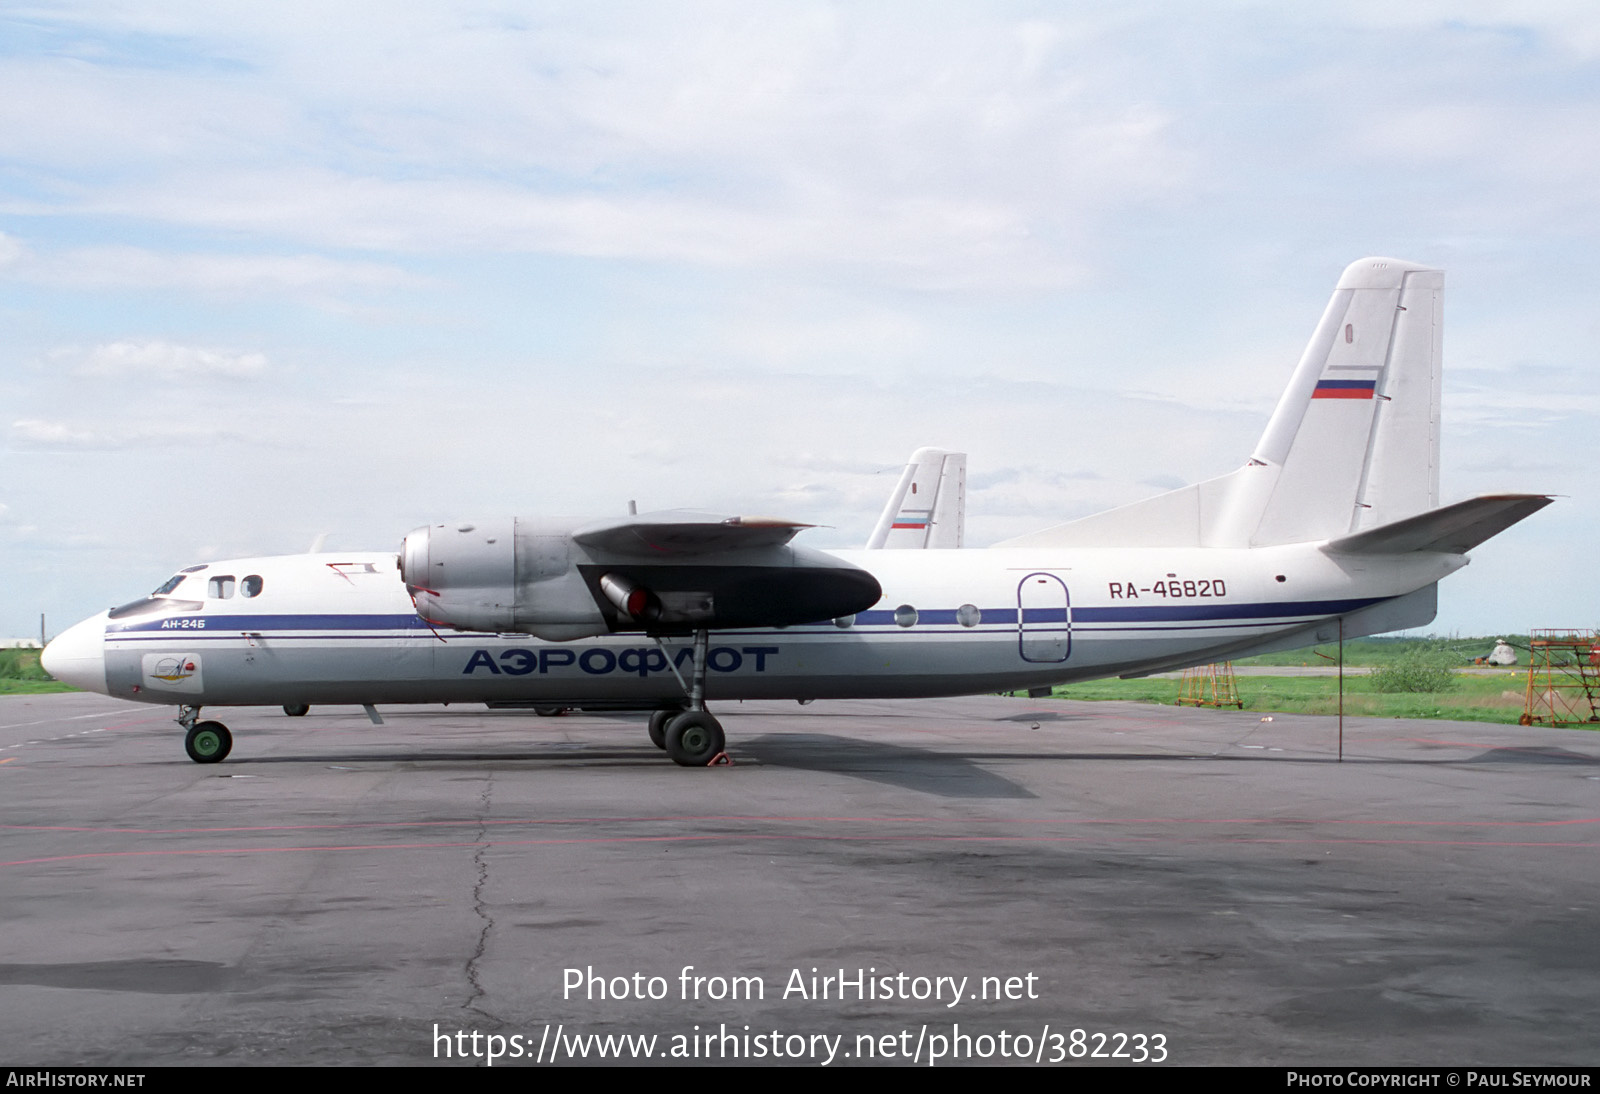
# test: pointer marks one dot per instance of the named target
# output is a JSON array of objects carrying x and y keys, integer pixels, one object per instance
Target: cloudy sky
[{"x": 269, "y": 271}]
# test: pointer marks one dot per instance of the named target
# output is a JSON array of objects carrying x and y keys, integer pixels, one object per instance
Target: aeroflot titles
[{"x": 598, "y": 661}]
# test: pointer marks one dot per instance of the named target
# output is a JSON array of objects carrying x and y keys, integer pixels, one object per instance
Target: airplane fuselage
[{"x": 342, "y": 629}]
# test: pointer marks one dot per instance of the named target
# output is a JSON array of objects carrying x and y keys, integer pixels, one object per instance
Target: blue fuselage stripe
[
  {"x": 195, "y": 626},
  {"x": 198, "y": 622}
]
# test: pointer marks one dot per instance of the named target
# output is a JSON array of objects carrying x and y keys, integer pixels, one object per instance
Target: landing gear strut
[{"x": 693, "y": 737}]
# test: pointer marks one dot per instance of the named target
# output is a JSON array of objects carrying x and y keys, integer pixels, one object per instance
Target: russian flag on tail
[{"x": 1344, "y": 389}]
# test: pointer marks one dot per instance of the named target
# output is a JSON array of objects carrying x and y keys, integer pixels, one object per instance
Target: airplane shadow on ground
[
  {"x": 945, "y": 774},
  {"x": 1534, "y": 754},
  {"x": 1047, "y": 716},
  {"x": 161, "y": 976},
  {"x": 942, "y": 773}
]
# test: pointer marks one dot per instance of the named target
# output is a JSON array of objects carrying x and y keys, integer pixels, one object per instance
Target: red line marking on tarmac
[{"x": 745, "y": 837}]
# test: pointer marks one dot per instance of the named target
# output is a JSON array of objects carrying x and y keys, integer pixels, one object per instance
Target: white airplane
[{"x": 1332, "y": 526}]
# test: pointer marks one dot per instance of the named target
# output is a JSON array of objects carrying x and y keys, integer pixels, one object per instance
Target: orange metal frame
[{"x": 1563, "y": 678}]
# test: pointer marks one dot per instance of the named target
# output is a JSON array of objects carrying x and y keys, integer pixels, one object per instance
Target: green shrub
[
  {"x": 21, "y": 665},
  {"x": 1419, "y": 670}
]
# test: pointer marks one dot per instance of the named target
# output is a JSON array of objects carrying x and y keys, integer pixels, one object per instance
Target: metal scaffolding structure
[
  {"x": 1210, "y": 686},
  {"x": 1563, "y": 678}
]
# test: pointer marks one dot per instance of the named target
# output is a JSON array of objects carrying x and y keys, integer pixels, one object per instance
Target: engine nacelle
[
  {"x": 501, "y": 576},
  {"x": 662, "y": 573}
]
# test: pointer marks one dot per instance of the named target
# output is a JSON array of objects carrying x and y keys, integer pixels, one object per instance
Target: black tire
[
  {"x": 208, "y": 742},
  {"x": 658, "y": 726},
  {"x": 296, "y": 710},
  {"x": 694, "y": 739},
  {"x": 549, "y": 712}
]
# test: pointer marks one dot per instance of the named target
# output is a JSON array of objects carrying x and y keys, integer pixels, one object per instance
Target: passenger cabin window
[
  {"x": 220, "y": 587},
  {"x": 251, "y": 586}
]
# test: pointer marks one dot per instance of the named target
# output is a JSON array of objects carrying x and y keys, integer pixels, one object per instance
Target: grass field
[
  {"x": 31, "y": 687},
  {"x": 20, "y": 674},
  {"x": 1496, "y": 698},
  {"x": 1375, "y": 652}
]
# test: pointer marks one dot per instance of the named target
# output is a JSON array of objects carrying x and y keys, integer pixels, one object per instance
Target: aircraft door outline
[{"x": 1044, "y": 619}]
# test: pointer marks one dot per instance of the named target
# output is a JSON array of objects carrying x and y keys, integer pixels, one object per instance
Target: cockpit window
[
  {"x": 149, "y": 605},
  {"x": 251, "y": 586},
  {"x": 220, "y": 587},
  {"x": 172, "y": 583}
]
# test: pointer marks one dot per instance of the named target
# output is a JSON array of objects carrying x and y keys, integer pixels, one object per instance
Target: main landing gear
[
  {"x": 205, "y": 742},
  {"x": 658, "y": 726},
  {"x": 692, "y": 737},
  {"x": 695, "y": 739}
]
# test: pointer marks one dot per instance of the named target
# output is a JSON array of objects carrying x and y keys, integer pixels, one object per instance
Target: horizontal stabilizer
[
  {"x": 1453, "y": 529},
  {"x": 684, "y": 532}
]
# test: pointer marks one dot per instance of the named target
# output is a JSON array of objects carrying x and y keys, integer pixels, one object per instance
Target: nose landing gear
[
  {"x": 208, "y": 742},
  {"x": 205, "y": 742}
]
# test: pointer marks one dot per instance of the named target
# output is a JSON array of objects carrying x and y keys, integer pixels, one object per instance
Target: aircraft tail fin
[
  {"x": 1353, "y": 443},
  {"x": 1355, "y": 438},
  {"x": 928, "y": 506}
]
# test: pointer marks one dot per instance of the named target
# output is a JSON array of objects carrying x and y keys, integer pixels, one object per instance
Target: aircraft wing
[
  {"x": 1451, "y": 529},
  {"x": 684, "y": 532}
]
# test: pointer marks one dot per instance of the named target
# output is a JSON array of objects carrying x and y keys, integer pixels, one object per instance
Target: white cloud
[
  {"x": 922, "y": 241},
  {"x": 44, "y": 434},
  {"x": 53, "y": 434},
  {"x": 159, "y": 360},
  {"x": 1572, "y": 28},
  {"x": 90, "y": 268},
  {"x": 952, "y": 151}
]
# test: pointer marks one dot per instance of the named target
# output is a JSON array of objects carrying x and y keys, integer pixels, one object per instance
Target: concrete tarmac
[{"x": 1212, "y": 887}]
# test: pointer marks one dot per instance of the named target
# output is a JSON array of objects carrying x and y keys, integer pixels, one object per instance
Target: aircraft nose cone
[{"x": 78, "y": 655}]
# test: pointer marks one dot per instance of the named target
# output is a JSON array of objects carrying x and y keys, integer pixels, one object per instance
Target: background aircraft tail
[
  {"x": 1353, "y": 443},
  {"x": 929, "y": 504}
]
